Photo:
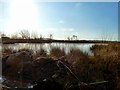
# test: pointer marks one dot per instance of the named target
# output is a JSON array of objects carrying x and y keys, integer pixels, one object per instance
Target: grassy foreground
[{"x": 104, "y": 65}]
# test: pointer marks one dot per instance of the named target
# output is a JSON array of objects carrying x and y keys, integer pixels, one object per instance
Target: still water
[{"x": 47, "y": 47}]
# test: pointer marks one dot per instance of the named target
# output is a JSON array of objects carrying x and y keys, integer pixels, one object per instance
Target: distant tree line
[
  {"x": 74, "y": 37},
  {"x": 25, "y": 34}
]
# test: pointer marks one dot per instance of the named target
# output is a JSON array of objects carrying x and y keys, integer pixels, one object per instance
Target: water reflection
[{"x": 47, "y": 47}]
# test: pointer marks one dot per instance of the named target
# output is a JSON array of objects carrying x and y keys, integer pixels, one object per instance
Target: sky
[{"x": 86, "y": 20}]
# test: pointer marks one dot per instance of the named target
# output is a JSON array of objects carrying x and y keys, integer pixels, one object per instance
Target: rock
[
  {"x": 48, "y": 69},
  {"x": 26, "y": 70},
  {"x": 18, "y": 58},
  {"x": 4, "y": 66},
  {"x": 44, "y": 68},
  {"x": 47, "y": 72},
  {"x": 19, "y": 65},
  {"x": 48, "y": 85}
]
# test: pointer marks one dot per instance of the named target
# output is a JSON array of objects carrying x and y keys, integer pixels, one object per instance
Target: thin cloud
[{"x": 61, "y": 21}]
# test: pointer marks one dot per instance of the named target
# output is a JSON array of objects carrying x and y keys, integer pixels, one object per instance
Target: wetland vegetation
[{"x": 79, "y": 70}]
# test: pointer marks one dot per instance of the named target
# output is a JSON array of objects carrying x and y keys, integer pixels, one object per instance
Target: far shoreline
[{"x": 13, "y": 41}]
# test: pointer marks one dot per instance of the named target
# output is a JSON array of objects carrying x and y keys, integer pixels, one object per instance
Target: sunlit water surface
[{"x": 47, "y": 47}]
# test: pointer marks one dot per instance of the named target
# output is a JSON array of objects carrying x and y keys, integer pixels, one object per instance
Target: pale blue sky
[{"x": 87, "y": 20}]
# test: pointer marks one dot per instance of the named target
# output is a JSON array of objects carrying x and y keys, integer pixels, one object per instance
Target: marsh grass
[
  {"x": 57, "y": 52},
  {"x": 108, "y": 62},
  {"x": 40, "y": 53},
  {"x": 7, "y": 50},
  {"x": 103, "y": 65}
]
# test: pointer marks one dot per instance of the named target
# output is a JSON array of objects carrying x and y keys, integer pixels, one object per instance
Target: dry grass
[
  {"x": 57, "y": 52},
  {"x": 108, "y": 62},
  {"x": 40, "y": 53},
  {"x": 104, "y": 65}
]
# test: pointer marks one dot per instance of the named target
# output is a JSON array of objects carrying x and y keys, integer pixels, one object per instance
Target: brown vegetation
[{"x": 104, "y": 65}]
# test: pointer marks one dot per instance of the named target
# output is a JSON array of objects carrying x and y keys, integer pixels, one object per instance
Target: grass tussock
[
  {"x": 57, "y": 52},
  {"x": 40, "y": 53}
]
